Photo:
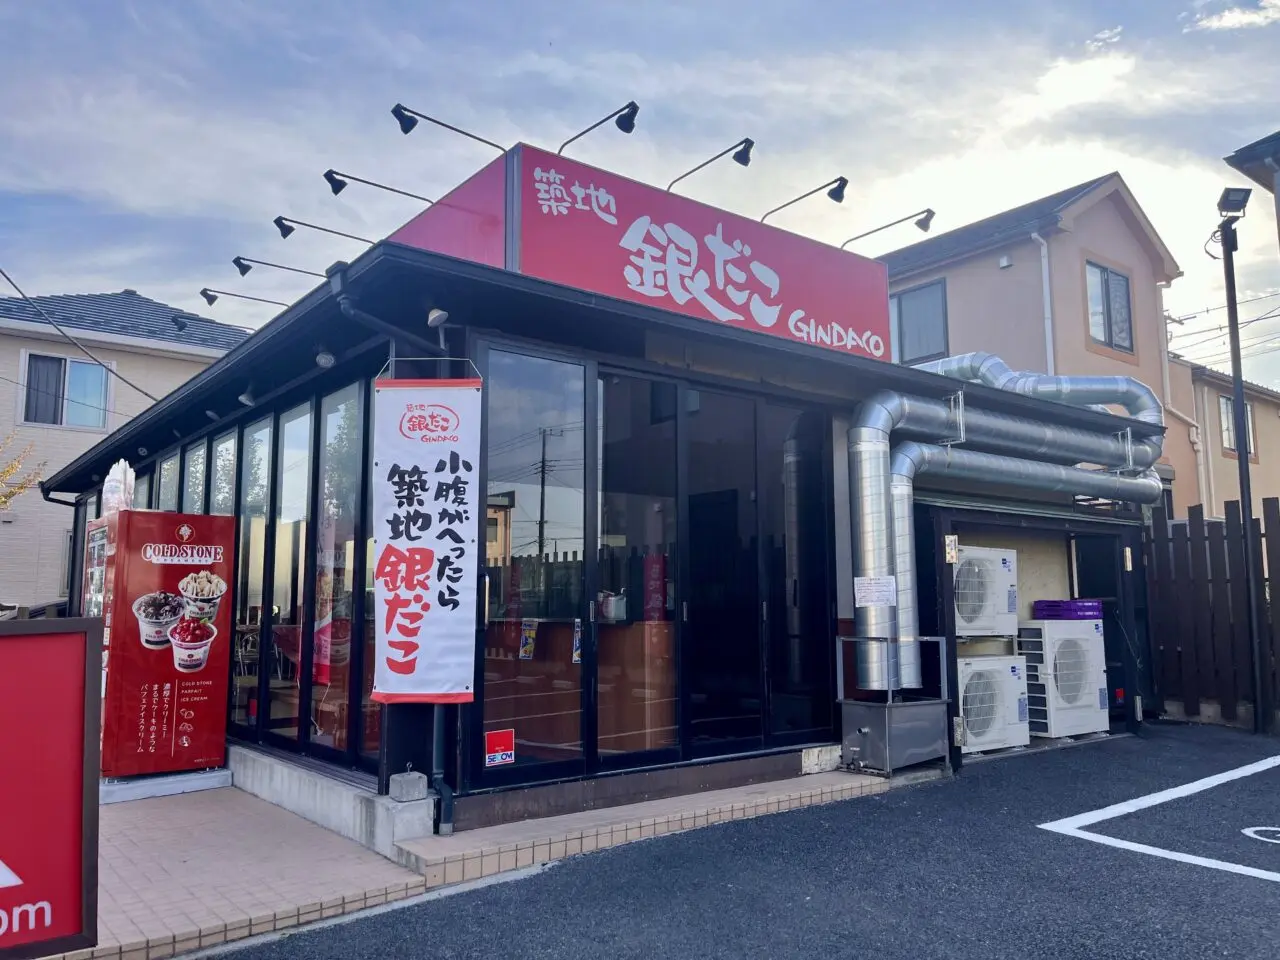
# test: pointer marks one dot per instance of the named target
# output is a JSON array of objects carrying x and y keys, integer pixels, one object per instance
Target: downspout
[
  {"x": 1193, "y": 427},
  {"x": 1048, "y": 302}
]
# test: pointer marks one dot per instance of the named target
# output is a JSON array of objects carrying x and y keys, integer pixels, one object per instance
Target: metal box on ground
[{"x": 888, "y": 736}]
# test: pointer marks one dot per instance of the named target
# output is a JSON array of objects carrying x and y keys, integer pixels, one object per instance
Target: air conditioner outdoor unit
[
  {"x": 1066, "y": 677},
  {"x": 993, "y": 702},
  {"x": 986, "y": 592}
]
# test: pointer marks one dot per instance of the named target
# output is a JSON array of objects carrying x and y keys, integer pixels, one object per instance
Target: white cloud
[
  {"x": 1264, "y": 13},
  {"x": 1104, "y": 38}
]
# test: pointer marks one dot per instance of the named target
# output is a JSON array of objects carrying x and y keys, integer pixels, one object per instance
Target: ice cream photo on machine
[
  {"x": 157, "y": 613},
  {"x": 201, "y": 593}
]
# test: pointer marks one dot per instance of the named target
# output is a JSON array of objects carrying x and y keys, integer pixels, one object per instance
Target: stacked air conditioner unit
[
  {"x": 993, "y": 702},
  {"x": 986, "y": 592},
  {"x": 1066, "y": 677}
]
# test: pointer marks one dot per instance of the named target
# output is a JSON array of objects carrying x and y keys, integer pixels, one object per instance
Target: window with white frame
[
  {"x": 1227, "y": 423},
  {"x": 65, "y": 392},
  {"x": 918, "y": 318},
  {"x": 1110, "y": 312}
]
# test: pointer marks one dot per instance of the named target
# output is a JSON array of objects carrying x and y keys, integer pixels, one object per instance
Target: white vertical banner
[{"x": 426, "y": 555}]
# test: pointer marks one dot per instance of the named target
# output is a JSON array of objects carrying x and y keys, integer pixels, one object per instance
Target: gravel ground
[{"x": 954, "y": 869}]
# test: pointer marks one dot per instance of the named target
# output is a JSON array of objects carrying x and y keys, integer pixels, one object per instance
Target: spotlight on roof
[
  {"x": 247, "y": 397},
  {"x": 624, "y": 118},
  {"x": 926, "y": 221},
  {"x": 836, "y": 193},
  {"x": 436, "y": 317},
  {"x": 336, "y": 183},
  {"x": 212, "y": 414},
  {"x": 209, "y": 296},
  {"x": 403, "y": 117},
  {"x": 284, "y": 226},
  {"x": 408, "y": 119},
  {"x": 324, "y": 359},
  {"x": 241, "y": 264},
  {"x": 742, "y": 156}
]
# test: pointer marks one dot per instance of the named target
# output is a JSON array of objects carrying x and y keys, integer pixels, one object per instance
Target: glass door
[
  {"x": 636, "y": 706},
  {"x": 721, "y": 647},
  {"x": 538, "y": 640}
]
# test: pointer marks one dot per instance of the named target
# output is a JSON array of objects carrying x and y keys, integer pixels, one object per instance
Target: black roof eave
[
  {"x": 1251, "y": 160},
  {"x": 384, "y": 261}
]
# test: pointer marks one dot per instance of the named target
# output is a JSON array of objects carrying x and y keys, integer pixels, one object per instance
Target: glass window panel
[
  {"x": 341, "y": 436},
  {"x": 636, "y": 606},
  {"x": 169, "y": 477},
  {"x": 1226, "y": 422},
  {"x": 142, "y": 491},
  {"x": 86, "y": 395},
  {"x": 193, "y": 482},
  {"x": 922, "y": 322},
  {"x": 536, "y": 492},
  {"x": 222, "y": 491},
  {"x": 1120, "y": 315},
  {"x": 1096, "y": 282},
  {"x": 254, "y": 472},
  {"x": 44, "y": 389},
  {"x": 293, "y": 491}
]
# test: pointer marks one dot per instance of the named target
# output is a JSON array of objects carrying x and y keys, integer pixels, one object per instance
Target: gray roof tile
[
  {"x": 126, "y": 313},
  {"x": 985, "y": 234}
]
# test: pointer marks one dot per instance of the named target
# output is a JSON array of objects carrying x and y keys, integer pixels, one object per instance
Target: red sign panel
[
  {"x": 469, "y": 222},
  {"x": 499, "y": 747},
  {"x": 594, "y": 230},
  {"x": 49, "y": 792},
  {"x": 166, "y": 601}
]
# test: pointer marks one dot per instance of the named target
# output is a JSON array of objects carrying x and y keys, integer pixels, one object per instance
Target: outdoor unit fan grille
[
  {"x": 973, "y": 589},
  {"x": 1071, "y": 671},
  {"x": 980, "y": 702}
]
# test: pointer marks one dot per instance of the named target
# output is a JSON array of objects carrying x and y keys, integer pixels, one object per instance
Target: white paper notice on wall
[{"x": 875, "y": 591}]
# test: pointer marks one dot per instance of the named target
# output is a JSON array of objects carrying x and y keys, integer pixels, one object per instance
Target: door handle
[
  {"x": 591, "y": 611},
  {"x": 764, "y": 610},
  {"x": 684, "y": 610},
  {"x": 486, "y": 600}
]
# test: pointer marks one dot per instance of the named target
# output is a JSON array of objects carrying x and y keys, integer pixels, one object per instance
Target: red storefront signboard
[
  {"x": 49, "y": 673},
  {"x": 163, "y": 584},
  {"x": 594, "y": 230}
]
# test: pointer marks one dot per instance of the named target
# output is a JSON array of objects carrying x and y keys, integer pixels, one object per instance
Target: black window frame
[
  {"x": 895, "y": 304},
  {"x": 1110, "y": 339}
]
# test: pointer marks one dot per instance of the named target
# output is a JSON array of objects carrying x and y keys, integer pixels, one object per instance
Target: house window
[
  {"x": 918, "y": 319},
  {"x": 1110, "y": 314},
  {"x": 1227, "y": 423},
  {"x": 491, "y": 530},
  {"x": 65, "y": 392}
]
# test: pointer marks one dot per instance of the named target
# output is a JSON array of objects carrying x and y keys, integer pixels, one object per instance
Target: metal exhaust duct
[{"x": 882, "y": 517}]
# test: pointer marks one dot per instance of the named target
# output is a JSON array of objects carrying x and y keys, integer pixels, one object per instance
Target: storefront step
[
  {"x": 473, "y": 854},
  {"x": 344, "y": 805}
]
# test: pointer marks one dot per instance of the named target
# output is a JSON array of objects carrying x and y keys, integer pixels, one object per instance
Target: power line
[
  {"x": 1221, "y": 332},
  {"x": 1223, "y": 306},
  {"x": 50, "y": 393},
  {"x": 78, "y": 345}
]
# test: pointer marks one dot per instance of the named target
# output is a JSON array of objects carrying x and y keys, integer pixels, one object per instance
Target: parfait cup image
[
  {"x": 191, "y": 640},
  {"x": 157, "y": 613},
  {"x": 201, "y": 594}
]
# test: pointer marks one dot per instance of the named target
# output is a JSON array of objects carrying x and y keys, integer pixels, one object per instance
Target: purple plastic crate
[{"x": 1067, "y": 610}]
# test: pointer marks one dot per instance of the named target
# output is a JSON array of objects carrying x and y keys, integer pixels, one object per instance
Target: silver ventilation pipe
[
  {"x": 1135, "y": 396},
  {"x": 911, "y": 458}
]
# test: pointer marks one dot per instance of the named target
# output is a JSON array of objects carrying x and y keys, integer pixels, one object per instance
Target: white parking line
[{"x": 1072, "y": 826}]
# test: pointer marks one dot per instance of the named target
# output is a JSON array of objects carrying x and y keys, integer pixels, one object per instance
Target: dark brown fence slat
[
  {"x": 1201, "y": 623},
  {"x": 1260, "y": 609},
  {"x": 1271, "y": 626},
  {"x": 1184, "y": 609},
  {"x": 1223, "y": 650},
  {"x": 1242, "y": 655},
  {"x": 1162, "y": 626}
]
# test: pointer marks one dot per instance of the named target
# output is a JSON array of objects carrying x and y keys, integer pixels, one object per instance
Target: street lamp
[
  {"x": 923, "y": 219},
  {"x": 286, "y": 226},
  {"x": 245, "y": 264},
  {"x": 741, "y": 155},
  {"x": 626, "y": 122},
  {"x": 211, "y": 297},
  {"x": 1231, "y": 207},
  {"x": 338, "y": 182},
  {"x": 836, "y": 193},
  {"x": 408, "y": 119}
]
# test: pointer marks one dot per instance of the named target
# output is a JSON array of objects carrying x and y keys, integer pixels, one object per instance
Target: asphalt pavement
[{"x": 956, "y": 869}]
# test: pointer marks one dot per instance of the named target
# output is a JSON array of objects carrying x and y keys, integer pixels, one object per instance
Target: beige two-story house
[
  {"x": 1071, "y": 283},
  {"x": 60, "y": 401}
]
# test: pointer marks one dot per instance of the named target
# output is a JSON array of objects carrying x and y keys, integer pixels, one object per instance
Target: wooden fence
[{"x": 1198, "y": 622}]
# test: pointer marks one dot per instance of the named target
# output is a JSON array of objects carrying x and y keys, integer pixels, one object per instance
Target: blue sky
[{"x": 144, "y": 144}]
